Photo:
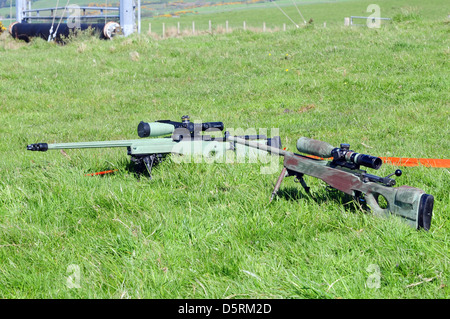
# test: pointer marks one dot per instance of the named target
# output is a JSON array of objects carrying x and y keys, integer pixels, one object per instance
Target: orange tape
[
  {"x": 410, "y": 162},
  {"x": 429, "y": 162}
]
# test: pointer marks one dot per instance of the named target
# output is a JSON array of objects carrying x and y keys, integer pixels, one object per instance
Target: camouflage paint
[{"x": 403, "y": 201}]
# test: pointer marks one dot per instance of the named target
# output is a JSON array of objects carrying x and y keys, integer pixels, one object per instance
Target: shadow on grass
[{"x": 326, "y": 195}]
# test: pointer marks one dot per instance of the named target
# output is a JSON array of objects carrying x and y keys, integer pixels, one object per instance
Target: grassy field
[
  {"x": 198, "y": 230},
  {"x": 332, "y": 13}
]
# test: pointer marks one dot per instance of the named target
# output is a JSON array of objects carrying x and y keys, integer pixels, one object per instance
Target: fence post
[
  {"x": 226, "y": 26},
  {"x": 193, "y": 27},
  {"x": 284, "y": 26},
  {"x": 264, "y": 27},
  {"x": 244, "y": 26},
  {"x": 178, "y": 28},
  {"x": 163, "y": 29},
  {"x": 210, "y": 27}
]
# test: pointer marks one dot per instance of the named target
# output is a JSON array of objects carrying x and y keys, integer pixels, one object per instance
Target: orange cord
[
  {"x": 102, "y": 173},
  {"x": 410, "y": 162}
]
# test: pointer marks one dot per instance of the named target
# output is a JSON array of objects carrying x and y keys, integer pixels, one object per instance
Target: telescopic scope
[
  {"x": 164, "y": 127},
  {"x": 342, "y": 154}
]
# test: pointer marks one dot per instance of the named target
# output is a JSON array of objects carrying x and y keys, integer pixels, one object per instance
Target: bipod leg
[
  {"x": 299, "y": 179},
  {"x": 278, "y": 183},
  {"x": 149, "y": 161}
]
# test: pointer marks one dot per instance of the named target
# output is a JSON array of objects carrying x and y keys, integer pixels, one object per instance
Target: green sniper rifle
[
  {"x": 343, "y": 173},
  {"x": 185, "y": 139}
]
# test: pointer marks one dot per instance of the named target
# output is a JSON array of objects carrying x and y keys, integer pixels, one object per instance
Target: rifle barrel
[
  {"x": 101, "y": 144},
  {"x": 267, "y": 148}
]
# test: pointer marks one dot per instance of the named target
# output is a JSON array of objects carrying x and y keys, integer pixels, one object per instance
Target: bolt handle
[{"x": 398, "y": 172}]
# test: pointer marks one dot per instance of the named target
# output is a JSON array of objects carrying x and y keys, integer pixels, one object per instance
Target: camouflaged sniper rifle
[
  {"x": 185, "y": 139},
  {"x": 343, "y": 173}
]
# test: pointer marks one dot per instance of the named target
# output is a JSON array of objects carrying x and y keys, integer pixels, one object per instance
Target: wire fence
[{"x": 167, "y": 30}]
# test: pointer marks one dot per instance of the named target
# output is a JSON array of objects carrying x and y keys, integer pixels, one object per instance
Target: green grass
[
  {"x": 331, "y": 13},
  {"x": 207, "y": 231}
]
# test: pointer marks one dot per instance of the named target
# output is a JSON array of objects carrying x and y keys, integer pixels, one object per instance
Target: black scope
[
  {"x": 342, "y": 156},
  {"x": 365, "y": 160},
  {"x": 168, "y": 126},
  {"x": 345, "y": 154}
]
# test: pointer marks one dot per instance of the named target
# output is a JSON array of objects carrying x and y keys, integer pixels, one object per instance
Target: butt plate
[{"x": 425, "y": 211}]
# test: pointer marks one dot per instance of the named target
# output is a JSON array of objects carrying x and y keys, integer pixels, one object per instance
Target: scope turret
[{"x": 342, "y": 155}]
